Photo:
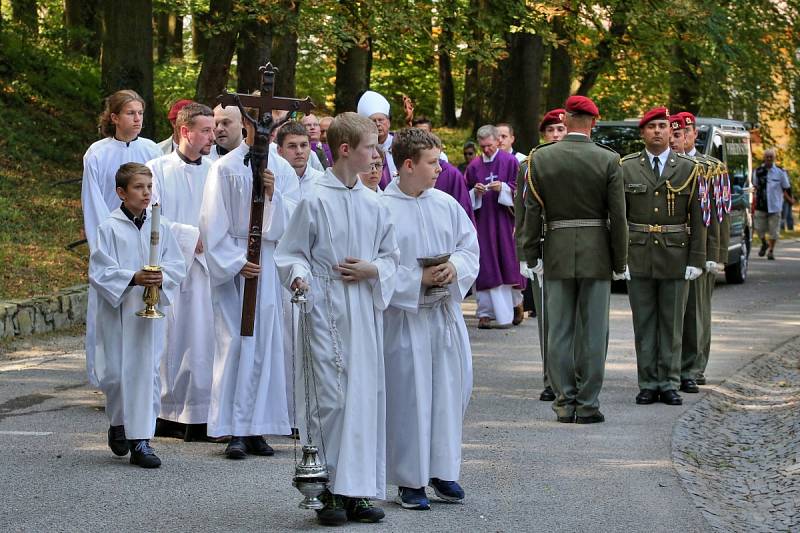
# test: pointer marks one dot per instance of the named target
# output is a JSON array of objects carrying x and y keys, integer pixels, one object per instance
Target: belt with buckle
[
  {"x": 578, "y": 223},
  {"x": 658, "y": 228}
]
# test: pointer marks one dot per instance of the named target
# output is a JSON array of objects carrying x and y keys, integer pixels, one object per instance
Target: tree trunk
[
  {"x": 200, "y": 21},
  {"x": 472, "y": 104},
  {"x": 560, "y": 68},
  {"x": 82, "y": 19},
  {"x": 169, "y": 28},
  {"x": 255, "y": 47},
  {"x": 447, "y": 90},
  {"x": 685, "y": 85},
  {"x": 25, "y": 12},
  {"x": 127, "y": 55},
  {"x": 605, "y": 50},
  {"x": 526, "y": 60},
  {"x": 353, "y": 66},
  {"x": 213, "y": 75},
  {"x": 284, "y": 47}
]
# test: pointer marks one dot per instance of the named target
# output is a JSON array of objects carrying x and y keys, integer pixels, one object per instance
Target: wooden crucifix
[{"x": 259, "y": 156}]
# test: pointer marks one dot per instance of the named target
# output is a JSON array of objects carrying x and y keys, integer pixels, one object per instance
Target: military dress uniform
[
  {"x": 578, "y": 185},
  {"x": 666, "y": 234}
]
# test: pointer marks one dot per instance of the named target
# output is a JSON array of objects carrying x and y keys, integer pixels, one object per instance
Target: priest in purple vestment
[
  {"x": 452, "y": 182},
  {"x": 491, "y": 180}
]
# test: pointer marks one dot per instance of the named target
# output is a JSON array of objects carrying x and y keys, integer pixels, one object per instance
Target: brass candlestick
[{"x": 150, "y": 297}]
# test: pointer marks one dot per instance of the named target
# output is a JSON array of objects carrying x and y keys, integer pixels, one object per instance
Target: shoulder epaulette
[
  {"x": 628, "y": 157},
  {"x": 607, "y": 148},
  {"x": 686, "y": 157}
]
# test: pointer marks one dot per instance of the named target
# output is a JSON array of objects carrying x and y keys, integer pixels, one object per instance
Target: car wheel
[{"x": 736, "y": 273}]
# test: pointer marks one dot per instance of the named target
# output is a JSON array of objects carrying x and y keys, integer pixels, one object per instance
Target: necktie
[{"x": 655, "y": 168}]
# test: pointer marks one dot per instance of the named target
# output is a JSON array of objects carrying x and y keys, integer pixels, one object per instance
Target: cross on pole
[{"x": 258, "y": 156}]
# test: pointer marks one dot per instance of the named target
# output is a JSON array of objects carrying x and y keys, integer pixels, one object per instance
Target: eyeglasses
[{"x": 375, "y": 167}]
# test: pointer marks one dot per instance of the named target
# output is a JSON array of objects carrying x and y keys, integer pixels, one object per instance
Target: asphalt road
[{"x": 522, "y": 470}]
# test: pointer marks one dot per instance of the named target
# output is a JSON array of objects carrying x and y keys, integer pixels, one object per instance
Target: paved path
[{"x": 522, "y": 470}]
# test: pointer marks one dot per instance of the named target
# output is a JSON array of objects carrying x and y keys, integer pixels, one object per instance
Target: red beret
[
  {"x": 677, "y": 122},
  {"x": 657, "y": 113},
  {"x": 554, "y": 116},
  {"x": 581, "y": 104},
  {"x": 688, "y": 118},
  {"x": 176, "y": 107}
]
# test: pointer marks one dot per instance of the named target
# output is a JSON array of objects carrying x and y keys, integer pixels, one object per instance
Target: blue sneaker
[
  {"x": 449, "y": 491},
  {"x": 413, "y": 498}
]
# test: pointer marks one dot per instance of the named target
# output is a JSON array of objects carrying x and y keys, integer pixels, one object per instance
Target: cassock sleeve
[
  {"x": 408, "y": 288},
  {"x": 172, "y": 263},
  {"x": 506, "y": 196},
  {"x": 185, "y": 234},
  {"x": 466, "y": 255},
  {"x": 224, "y": 257},
  {"x": 109, "y": 279},
  {"x": 293, "y": 254},
  {"x": 386, "y": 260},
  {"x": 95, "y": 210}
]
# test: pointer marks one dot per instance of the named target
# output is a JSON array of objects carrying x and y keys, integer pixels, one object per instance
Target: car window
[
  {"x": 622, "y": 139},
  {"x": 737, "y": 157}
]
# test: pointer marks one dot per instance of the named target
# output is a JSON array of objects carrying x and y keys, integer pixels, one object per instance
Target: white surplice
[
  {"x": 127, "y": 347},
  {"x": 248, "y": 393},
  {"x": 189, "y": 359},
  {"x": 346, "y": 327},
  {"x": 99, "y": 198},
  {"x": 426, "y": 346}
]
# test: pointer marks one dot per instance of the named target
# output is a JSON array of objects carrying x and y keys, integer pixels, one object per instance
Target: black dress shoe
[
  {"x": 256, "y": 445},
  {"x": 690, "y": 386},
  {"x": 566, "y": 419},
  {"x": 236, "y": 449},
  {"x": 700, "y": 380},
  {"x": 646, "y": 397},
  {"x": 591, "y": 419},
  {"x": 670, "y": 397},
  {"x": 117, "y": 441},
  {"x": 547, "y": 395},
  {"x": 143, "y": 455}
]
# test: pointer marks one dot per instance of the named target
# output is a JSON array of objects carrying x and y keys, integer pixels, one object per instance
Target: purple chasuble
[
  {"x": 495, "y": 223},
  {"x": 452, "y": 182},
  {"x": 386, "y": 177}
]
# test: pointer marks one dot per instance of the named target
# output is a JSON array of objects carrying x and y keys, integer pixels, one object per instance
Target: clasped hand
[
  {"x": 354, "y": 269},
  {"x": 268, "y": 179},
  {"x": 146, "y": 278},
  {"x": 438, "y": 275}
]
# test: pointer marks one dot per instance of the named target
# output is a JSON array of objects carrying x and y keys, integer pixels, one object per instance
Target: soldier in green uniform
[
  {"x": 667, "y": 247},
  {"x": 697, "y": 323},
  {"x": 576, "y": 196},
  {"x": 552, "y": 129}
]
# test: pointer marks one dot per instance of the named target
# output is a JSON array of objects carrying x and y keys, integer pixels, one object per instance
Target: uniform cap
[
  {"x": 677, "y": 121},
  {"x": 657, "y": 113},
  {"x": 688, "y": 118},
  {"x": 554, "y": 116},
  {"x": 371, "y": 103},
  {"x": 581, "y": 104},
  {"x": 176, "y": 108}
]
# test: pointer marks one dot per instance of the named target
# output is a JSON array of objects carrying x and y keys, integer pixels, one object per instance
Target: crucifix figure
[{"x": 258, "y": 156}]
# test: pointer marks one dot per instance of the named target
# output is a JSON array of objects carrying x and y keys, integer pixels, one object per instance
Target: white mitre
[{"x": 371, "y": 103}]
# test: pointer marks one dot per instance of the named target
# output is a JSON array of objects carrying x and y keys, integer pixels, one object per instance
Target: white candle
[{"x": 155, "y": 223}]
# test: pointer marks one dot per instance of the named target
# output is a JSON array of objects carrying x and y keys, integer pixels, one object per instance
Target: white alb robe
[
  {"x": 98, "y": 199},
  {"x": 248, "y": 393},
  {"x": 128, "y": 348},
  {"x": 189, "y": 359},
  {"x": 426, "y": 345},
  {"x": 346, "y": 327}
]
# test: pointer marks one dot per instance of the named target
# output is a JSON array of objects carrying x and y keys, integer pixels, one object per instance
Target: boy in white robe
[
  {"x": 248, "y": 391},
  {"x": 120, "y": 123},
  {"x": 128, "y": 348},
  {"x": 426, "y": 346},
  {"x": 340, "y": 247},
  {"x": 178, "y": 181}
]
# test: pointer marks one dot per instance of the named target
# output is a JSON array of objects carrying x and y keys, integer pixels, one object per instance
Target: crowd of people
[{"x": 385, "y": 238}]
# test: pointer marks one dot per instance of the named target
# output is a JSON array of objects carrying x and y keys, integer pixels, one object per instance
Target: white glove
[
  {"x": 693, "y": 273},
  {"x": 538, "y": 269},
  {"x": 525, "y": 270},
  {"x": 711, "y": 267},
  {"x": 624, "y": 276}
]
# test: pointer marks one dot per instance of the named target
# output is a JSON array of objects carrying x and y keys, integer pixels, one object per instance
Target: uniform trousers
[
  {"x": 577, "y": 343},
  {"x": 697, "y": 326},
  {"x": 658, "y": 307}
]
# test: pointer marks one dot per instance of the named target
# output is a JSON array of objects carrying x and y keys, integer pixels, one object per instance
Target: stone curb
[
  {"x": 737, "y": 451},
  {"x": 41, "y": 314}
]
